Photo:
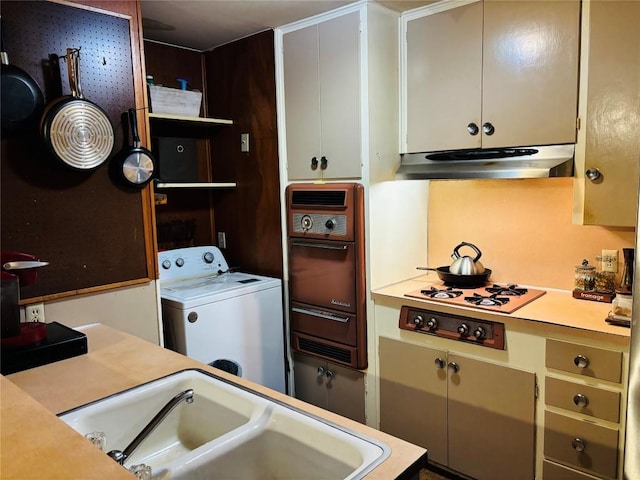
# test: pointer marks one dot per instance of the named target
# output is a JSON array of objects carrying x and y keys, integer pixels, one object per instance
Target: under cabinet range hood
[{"x": 520, "y": 162}]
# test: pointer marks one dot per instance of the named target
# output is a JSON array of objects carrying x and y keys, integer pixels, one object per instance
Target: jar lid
[{"x": 585, "y": 267}]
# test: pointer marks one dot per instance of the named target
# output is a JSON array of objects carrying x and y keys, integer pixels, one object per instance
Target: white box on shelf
[{"x": 175, "y": 101}]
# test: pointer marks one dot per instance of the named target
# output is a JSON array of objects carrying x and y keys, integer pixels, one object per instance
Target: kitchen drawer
[
  {"x": 600, "y": 403},
  {"x": 597, "y": 362},
  {"x": 565, "y": 436},
  {"x": 553, "y": 471}
]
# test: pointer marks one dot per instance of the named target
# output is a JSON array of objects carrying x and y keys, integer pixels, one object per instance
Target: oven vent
[
  {"x": 320, "y": 198},
  {"x": 328, "y": 351}
]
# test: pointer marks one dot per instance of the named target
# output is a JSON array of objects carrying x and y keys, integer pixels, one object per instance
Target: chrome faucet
[{"x": 121, "y": 456}]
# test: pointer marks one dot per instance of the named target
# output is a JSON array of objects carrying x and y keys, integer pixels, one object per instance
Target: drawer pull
[
  {"x": 578, "y": 444},
  {"x": 580, "y": 400},
  {"x": 581, "y": 361}
]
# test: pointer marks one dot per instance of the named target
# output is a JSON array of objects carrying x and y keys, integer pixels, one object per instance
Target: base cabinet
[
  {"x": 474, "y": 417},
  {"x": 582, "y": 413},
  {"x": 330, "y": 386}
]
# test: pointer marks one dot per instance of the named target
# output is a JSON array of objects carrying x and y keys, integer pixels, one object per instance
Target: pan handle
[
  {"x": 133, "y": 120},
  {"x": 427, "y": 268},
  {"x": 73, "y": 69}
]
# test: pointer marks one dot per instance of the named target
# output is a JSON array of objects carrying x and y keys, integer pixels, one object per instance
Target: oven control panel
[{"x": 455, "y": 327}]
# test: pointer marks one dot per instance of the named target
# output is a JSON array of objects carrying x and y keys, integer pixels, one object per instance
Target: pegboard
[{"x": 88, "y": 226}]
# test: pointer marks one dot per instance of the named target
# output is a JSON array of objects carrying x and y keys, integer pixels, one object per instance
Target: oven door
[
  {"x": 328, "y": 324},
  {"x": 323, "y": 273}
]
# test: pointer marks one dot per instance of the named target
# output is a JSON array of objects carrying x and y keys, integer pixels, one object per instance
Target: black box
[
  {"x": 177, "y": 160},
  {"x": 61, "y": 343}
]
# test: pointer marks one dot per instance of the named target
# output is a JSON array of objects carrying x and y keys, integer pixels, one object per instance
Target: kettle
[{"x": 466, "y": 265}]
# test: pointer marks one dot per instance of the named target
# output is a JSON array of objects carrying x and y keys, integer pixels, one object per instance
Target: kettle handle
[{"x": 470, "y": 245}]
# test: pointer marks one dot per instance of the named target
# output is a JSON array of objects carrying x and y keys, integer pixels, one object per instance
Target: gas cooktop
[{"x": 505, "y": 297}]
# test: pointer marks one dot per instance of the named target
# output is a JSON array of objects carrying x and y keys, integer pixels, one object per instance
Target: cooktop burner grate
[
  {"x": 508, "y": 290},
  {"x": 444, "y": 293},
  {"x": 484, "y": 300}
]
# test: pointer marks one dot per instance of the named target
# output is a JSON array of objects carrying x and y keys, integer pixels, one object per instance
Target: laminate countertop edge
[{"x": 37, "y": 444}]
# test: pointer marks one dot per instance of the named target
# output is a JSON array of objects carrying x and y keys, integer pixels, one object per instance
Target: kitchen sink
[{"x": 228, "y": 431}]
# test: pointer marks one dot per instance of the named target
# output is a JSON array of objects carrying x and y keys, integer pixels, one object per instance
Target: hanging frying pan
[
  {"x": 21, "y": 98},
  {"x": 77, "y": 131},
  {"x": 136, "y": 164}
]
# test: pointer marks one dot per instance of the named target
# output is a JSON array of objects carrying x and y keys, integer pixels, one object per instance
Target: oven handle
[
  {"x": 328, "y": 246},
  {"x": 317, "y": 313}
]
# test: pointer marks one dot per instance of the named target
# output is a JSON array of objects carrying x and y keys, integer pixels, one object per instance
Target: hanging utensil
[
  {"x": 77, "y": 131},
  {"x": 136, "y": 165},
  {"x": 22, "y": 101}
]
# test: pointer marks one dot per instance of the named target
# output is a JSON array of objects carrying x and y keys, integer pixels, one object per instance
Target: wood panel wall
[
  {"x": 95, "y": 233},
  {"x": 241, "y": 86}
]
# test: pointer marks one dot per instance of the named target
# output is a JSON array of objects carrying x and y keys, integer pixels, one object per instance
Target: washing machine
[{"x": 230, "y": 320}]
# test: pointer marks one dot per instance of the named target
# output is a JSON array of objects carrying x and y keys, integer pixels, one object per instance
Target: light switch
[{"x": 244, "y": 142}]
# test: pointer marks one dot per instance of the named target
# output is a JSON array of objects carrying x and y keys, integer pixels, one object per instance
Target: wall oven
[{"x": 325, "y": 225}]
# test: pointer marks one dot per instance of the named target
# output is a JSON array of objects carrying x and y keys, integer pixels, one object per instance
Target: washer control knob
[
  {"x": 432, "y": 323},
  {"x": 479, "y": 333},
  {"x": 166, "y": 264},
  {"x": 192, "y": 317},
  {"x": 418, "y": 321},
  {"x": 331, "y": 223},
  {"x": 180, "y": 262},
  {"x": 463, "y": 329},
  {"x": 208, "y": 257}
]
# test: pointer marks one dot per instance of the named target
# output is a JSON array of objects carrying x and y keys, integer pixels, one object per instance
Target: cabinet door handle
[
  {"x": 323, "y": 163},
  {"x": 314, "y": 163},
  {"x": 440, "y": 363},
  {"x": 454, "y": 367},
  {"x": 580, "y": 400},
  {"x": 488, "y": 128},
  {"x": 320, "y": 372},
  {"x": 473, "y": 129},
  {"x": 330, "y": 375},
  {"x": 581, "y": 361},
  {"x": 578, "y": 444}
]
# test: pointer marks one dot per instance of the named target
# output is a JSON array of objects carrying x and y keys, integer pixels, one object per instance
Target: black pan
[
  {"x": 77, "y": 131},
  {"x": 22, "y": 101},
  {"x": 136, "y": 165},
  {"x": 456, "y": 280}
]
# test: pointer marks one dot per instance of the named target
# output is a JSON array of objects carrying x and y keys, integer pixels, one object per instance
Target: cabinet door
[
  {"x": 530, "y": 72},
  {"x": 345, "y": 389},
  {"x": 444, "y": 69},
  {"x": 302, "y": 101},
  {"x": 322, "y": 99},
  {"x": 309, "y": 380},
  {"x": 610, "y": 115},
  {"x": 491, "y": 420},
  {"x": 413, "y": 395},
  {"x": 339, "y": 56}
]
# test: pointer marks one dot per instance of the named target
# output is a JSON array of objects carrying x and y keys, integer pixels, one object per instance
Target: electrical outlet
[
  {"x": 222, "y": 240},
  {"x": 34, "y": 312},
  {"x": 244, "y": 142},
  {"x": 610, "y": 261}
]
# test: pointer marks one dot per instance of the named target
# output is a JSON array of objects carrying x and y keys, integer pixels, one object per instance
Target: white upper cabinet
[
  {"x": 321, "y": 65},
  {"x": 491, "y": 74},
  {"x": 608, "y": 149}
]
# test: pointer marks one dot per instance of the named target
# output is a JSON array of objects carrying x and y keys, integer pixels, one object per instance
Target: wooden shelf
[
  {"x": 183, "y": 118},
  {"x": 195, "y": 185}
]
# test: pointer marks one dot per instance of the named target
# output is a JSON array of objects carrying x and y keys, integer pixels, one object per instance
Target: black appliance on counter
[{"x": 30, "y": 344}]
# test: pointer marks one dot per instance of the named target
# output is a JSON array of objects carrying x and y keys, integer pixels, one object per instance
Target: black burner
[
  {"x": 507, "y": 290},
  {"x": 486, "y": 301},
  {"x": 446, "y": 293}
]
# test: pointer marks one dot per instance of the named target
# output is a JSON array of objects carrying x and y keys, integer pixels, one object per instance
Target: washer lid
[{"x": 196, "y": 291}]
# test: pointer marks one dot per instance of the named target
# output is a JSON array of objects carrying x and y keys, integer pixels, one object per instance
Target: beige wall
[{"x": 523, "y": 228}]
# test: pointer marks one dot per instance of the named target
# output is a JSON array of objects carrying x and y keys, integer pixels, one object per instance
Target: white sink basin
[{"x": 228, "y": 431}]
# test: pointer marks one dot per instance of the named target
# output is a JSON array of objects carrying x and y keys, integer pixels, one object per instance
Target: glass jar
[
  {"x": 584, "y": 279},
  {"x": 605, "y": 282}
]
